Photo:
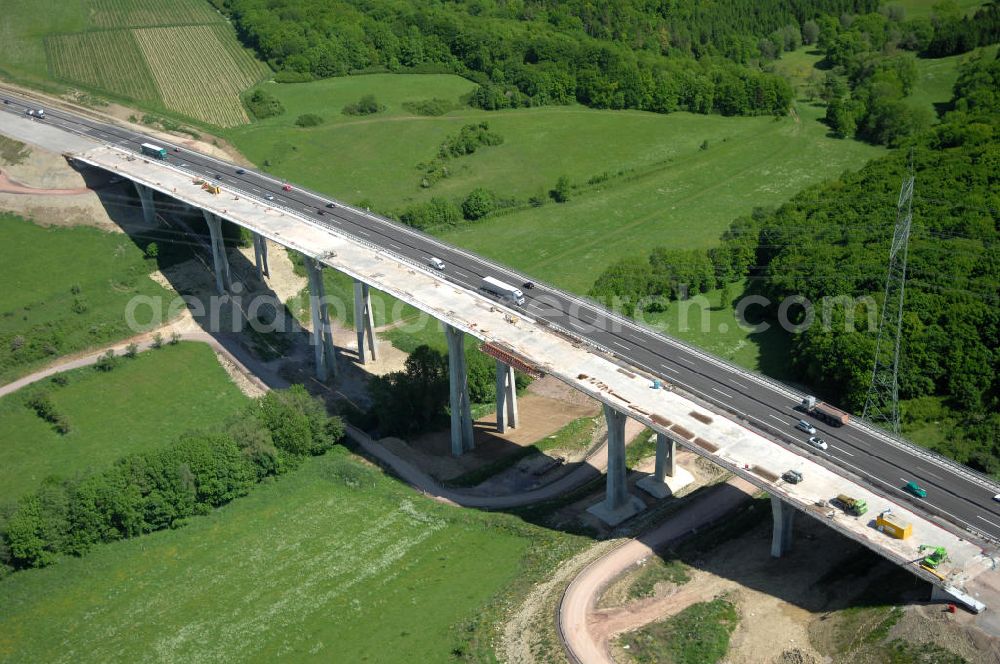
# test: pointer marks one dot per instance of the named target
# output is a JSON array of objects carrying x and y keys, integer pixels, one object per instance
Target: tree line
[
  {"x": 832, "y": 241},
  {"x": 158, "y": 489},
  {"x": 660, "y": 56}
]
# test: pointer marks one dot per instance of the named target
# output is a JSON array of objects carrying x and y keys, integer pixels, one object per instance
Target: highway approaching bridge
[{"x": 736, "y": 418}]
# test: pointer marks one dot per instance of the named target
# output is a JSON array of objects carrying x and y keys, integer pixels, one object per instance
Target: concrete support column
[
  {"x": 506, "y": 397},
  {"x": 666, "y": 450},
  {"x": 617, "y": 493},
  {"x": 364, "y": 322},
  {"x": 781, "y": 536},
  {"x": 223, "y": 280},
  {"x": 322, "y": 336},
  {"x": 618, "y": 505},
  {"x": 461, "y": 410},
  {"x": 260, "y": 254},
  {"x": 146, "y": 198}
]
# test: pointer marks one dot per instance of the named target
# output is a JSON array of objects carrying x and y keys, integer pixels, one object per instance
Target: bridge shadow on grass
[{"x": 276, "y": 348}]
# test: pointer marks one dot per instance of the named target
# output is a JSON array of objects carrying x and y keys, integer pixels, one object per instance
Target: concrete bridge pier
[
  {"x": 506, "y": 397},
  {"x": 667, "y": 477},
  {"x": 223, "y": 279},
  {"x": 260, "y": 255},
  {"x": 461, "y": 410},
  {"x": 364, "y": 322},
  {"x": 619, "y": 504},
  {"x": 146, "y": 198},
  {"x": 322, "y": 335},
  {"x": 781, "y": 536}
]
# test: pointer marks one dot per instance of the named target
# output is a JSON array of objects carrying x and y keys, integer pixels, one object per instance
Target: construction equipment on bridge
[
  {"x": 792, "y": 476},
  {"x": 933, "y": 571},
  {"x": 893, "y": 526},
  {"x": 854, "y": 506},
  {"x": 825, "y": 412},
  {"x": 938, "y": 555},
  {"x": 506, "y": 355},
  {"x": 211, "y": 188}
]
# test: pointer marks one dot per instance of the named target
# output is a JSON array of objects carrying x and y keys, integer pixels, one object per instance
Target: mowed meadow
[
  {"x": 166, "y": 392},
  {"x": 333, "y": 562},
  {"x": 641, "y": 179},
  {"x": 176, "y": 56}
]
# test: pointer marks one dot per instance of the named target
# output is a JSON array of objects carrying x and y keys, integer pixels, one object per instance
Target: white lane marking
[
  {"x": 775, "y": 417},
  {"x": 992, "y": 523},
  {"x": 738, "y": 383},
  {"x": 670, "y": 368},
  {"x": 365, "y": 233},
  {"x": 395, "y": 246},
  {"x": 684, "y": 359},
  {"x": 575, "y": 325},
  {"x": 620, "y": 345},
  {"x": 842, "y": 450},
  {"x": 924, "y": 470},
  {"x": 725, "y": 394}
]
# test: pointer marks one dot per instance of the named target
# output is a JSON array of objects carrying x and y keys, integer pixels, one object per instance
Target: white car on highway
[
  {"x": 805, "y": 426},
  {"x": 818, "y": 443}
]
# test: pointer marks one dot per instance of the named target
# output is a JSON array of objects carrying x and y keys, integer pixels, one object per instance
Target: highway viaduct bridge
[{"x": 737, "y": 419}]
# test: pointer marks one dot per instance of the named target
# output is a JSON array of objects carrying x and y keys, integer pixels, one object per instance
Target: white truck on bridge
[{"x": 505, "y": 292}]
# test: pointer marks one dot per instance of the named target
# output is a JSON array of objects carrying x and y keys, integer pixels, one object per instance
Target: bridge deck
[{"x": 723, "y": 441}]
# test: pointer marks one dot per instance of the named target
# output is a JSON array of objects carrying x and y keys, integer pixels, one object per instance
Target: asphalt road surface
[{"x": 762, "y": 405}]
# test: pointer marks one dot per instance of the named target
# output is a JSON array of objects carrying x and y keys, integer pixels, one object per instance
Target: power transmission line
[{"x": 882, "y": 402}]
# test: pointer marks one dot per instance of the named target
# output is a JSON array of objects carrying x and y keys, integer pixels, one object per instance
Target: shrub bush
[
  {"x": 479, "y": 203},
  {"x": 263, "y": 104},
  {"x": 367, "y": 105},
  {"x": 309, "y": 120}
]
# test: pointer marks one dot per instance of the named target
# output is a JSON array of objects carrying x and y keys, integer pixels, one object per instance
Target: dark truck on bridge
[{"x": 825, "y": 412}]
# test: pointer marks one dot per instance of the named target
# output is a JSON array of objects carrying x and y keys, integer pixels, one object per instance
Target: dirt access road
[{"x": 586, "y": 635}]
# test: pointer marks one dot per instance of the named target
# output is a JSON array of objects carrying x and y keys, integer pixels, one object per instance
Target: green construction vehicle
[
  {"x": 937, "y": 555},
  {"x": 854, "y": 506}
]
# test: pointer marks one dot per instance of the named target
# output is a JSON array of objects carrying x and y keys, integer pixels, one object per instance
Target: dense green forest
[
  {"x": 656, "y": 56},
  {"x": 832, "y": 241}
]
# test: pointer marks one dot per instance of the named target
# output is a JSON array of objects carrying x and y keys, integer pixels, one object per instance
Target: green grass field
[
  {"x": 697, "y": 635},
  {"x": 174, "y": 56},
  {"x": 165, "y": 393},
  {"x": 917, "y": 8},
  {"x": 56, "y": 303},
  {"x": 334, "y": 562},
  {"x": 937, "y": 78},
  {"x": 669, "y": 191}
]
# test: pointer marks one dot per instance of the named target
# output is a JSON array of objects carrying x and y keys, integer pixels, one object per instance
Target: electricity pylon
[{"x": 882, "y": 403}]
